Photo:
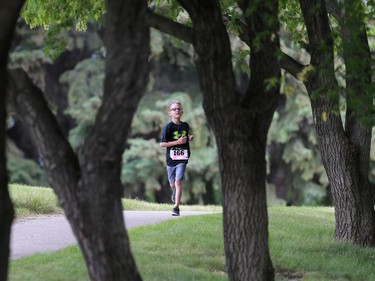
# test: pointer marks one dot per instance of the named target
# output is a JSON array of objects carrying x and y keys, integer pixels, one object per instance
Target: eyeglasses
[{"x": 176, "y": 109}]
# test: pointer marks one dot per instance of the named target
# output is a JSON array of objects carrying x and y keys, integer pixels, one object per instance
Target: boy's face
[{"x": 175, "y": 110}]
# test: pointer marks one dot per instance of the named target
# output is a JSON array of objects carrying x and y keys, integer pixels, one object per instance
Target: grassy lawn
[
  {"x": 33, "y": 200},
  {"x": 191, "y": 248}
]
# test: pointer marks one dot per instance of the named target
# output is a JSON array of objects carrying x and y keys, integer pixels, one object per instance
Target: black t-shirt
[{"x": 179, "y": 153}]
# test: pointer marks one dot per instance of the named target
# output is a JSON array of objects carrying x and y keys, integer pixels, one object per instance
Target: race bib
[{"x": 178, "y": 154}]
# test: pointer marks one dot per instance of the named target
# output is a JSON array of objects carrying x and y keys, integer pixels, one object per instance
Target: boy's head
[{"x": 175, "y": 109}]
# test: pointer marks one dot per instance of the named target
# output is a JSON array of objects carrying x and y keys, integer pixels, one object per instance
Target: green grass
[
  {"x": 301, "y": 242},
  {"x": 32, "y": 200},
  {"x": 191, "y": 248}
]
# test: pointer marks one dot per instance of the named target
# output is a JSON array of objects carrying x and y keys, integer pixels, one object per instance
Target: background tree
[
  {"x": 9, "y": 13},
  {"x": 89, "y": 189},
  {"x": 295, "y": 169},
  {"x": 29, "y": 52},
  {"x": 240, "y": 124},
  {"x": 345, "y": 148}
]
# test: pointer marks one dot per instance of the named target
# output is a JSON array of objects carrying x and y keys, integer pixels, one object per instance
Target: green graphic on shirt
[{"x": 177, "y": 134}]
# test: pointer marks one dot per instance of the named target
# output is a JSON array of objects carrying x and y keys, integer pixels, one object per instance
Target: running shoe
[{"x": 176, "y": 211}]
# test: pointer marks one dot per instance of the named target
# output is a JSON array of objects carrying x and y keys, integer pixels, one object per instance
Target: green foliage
[
  {"x": 240, "y": 56},
  {"x": 293, "y": 127},
  {"x": 143, "y": 163},
  {"x": 60, "y": 17},
  {"x": 356, "y": 14},
  {"x": 291, "y": 17},
  {"x": 168, "y": 8},
  {"x": 84, "y": 81},
  {"x": 64, "y": 13},
  {"x": 85, "y": 84},
  {"x": 30, "y": 59},
  {"x": 85, "y": 117},
  {"x": 21, "y": 170},
  {"x": 25, "y": 171}
]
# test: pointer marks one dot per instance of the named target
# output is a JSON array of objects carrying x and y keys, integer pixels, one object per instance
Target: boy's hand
[
  {"x": 182, "y": 140},
  {"x": 191, "y": 137}
]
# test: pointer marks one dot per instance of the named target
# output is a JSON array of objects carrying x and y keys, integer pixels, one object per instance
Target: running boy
[{"x": 175, "y": 137}]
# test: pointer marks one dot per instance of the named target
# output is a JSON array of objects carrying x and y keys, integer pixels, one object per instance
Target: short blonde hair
[{"x": 173, "y": 102}]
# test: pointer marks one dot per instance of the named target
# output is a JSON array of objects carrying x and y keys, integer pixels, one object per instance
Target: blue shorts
[{"x": 176, "y": 172}]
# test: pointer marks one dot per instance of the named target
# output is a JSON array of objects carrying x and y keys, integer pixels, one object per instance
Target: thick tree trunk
[
  {"x": 359, "y": 85},
  {"x": 6, "y": 206},
  {"x": 243, "y": 174},
  {"x": 127, "y": 43},
  {"x": 90, "y": 190},
  {"x": 94, "y": 210},
  {"x": 9, "y": 13},
  {"x": 240, "y": 128},
  {"x": 344, "y": 153}
]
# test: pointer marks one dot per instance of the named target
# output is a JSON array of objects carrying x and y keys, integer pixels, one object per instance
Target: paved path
[{"x": 52, "y": 233}]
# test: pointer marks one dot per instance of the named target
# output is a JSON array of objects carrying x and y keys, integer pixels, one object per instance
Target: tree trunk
[
  {"x": 359, "y": 85},
  {"x": 240, "y": 128},
  {"x": 9, "y": 13},
  {"x": 90, "y": 190},
  {"x": 345, "y": 154},
  {"x": 243, "y": 174},
  {"x": 127, "y": 42}
]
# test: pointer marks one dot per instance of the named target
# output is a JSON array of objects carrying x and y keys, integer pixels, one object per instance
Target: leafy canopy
[{"x": 65, "y": 13}]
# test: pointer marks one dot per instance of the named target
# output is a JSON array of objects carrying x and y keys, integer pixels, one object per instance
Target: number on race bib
[{"x": 179, "y": 154}]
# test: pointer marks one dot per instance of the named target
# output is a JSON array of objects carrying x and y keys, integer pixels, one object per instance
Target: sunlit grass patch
[{"x": 32, "y": 200}]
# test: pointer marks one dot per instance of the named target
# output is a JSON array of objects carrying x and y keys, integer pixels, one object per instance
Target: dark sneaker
[
  {"x": 176, "y": 211},
  {"x": 173, "y": 196}
]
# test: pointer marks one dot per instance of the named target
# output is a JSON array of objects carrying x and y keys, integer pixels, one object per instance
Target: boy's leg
[
  {"x": 180, "y": 172},
  {"x": 178, "y": 186},
  {"x": 171, "y": 171},
  {"x": 173, "y": 195}
]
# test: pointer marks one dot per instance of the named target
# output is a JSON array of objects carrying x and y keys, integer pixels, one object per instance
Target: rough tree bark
[
  {"x": 89, "y": 189},
  {"x": 240, "y": 126},
  {"x": 359, "y": 85},
  {"x": 345, "y": 152},
  {"x": 9, "y": 13}
]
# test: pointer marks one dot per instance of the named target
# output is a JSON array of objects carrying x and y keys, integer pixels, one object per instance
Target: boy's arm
[
  {"x": 190, "y": 134},
  {"x": 181, "y": 140}
]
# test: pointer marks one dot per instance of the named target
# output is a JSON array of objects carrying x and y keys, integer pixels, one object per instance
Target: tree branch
[
  {"x": 170, "y": 27},
  {"x": 288, "y": 63},
  {"x": 61, "y": 164},
  {"x": 292, "y": 66},
  {"x": 185, "y": 33},
  {"x": 334, "y": 8}
]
